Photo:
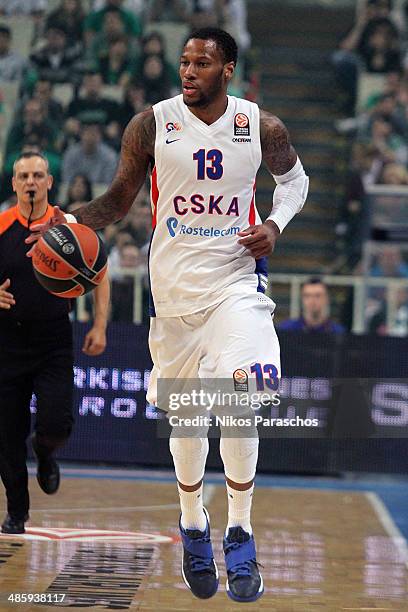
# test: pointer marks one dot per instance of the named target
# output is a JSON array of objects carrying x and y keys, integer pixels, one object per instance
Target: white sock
[
  {"x": 239, "y": 508},
  {"x": 192, "y": 513}
]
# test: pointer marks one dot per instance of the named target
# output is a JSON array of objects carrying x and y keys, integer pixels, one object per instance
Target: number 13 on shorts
[{"x": 266, "y": 375}]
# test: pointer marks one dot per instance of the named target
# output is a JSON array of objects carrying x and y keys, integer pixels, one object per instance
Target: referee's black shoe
[
  {"x": 13, "y": 525},
  {"x": 48, "y": 472}
]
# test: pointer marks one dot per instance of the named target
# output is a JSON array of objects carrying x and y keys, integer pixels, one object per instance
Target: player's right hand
[
  {"x": 6, "y": 298},
  {"x": 38, "y": 230}
]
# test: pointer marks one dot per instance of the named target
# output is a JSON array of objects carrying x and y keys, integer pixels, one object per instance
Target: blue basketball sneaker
[
  {"x": 244, "y": 582},
  {"x": 198, "y": 567}
]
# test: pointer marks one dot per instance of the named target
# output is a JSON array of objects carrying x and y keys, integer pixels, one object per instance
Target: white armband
[
  {"x": 289, "y": 195},
  {"x": 70, "y": 218}
]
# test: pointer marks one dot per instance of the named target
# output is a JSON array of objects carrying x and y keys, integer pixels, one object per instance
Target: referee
[{"x": 36, "y": 348}]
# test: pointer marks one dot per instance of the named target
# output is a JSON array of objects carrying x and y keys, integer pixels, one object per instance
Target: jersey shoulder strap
[{"x": 168, "y": 115}]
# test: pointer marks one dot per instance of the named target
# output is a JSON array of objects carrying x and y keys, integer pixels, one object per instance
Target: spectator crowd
[
  {"x": 90, "y": 66},
  {"x": 371, "y": 66}
]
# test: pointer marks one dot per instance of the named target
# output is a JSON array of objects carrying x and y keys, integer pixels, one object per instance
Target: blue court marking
[{"x": 392, "y": 490}]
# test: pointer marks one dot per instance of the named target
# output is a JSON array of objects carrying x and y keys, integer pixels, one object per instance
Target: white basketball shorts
[{"x": 233, "y": 340}]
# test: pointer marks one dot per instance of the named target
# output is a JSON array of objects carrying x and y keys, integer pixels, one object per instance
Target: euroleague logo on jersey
[{"x": 241, "y": 128}]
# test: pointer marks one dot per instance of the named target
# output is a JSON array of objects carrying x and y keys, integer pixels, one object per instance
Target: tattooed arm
[
  {"x": 277, "y": 152},
  {"x": 282, "y": 161},
  {"x": 292, "y": 184},
  {"x": 136, "y": 153}
]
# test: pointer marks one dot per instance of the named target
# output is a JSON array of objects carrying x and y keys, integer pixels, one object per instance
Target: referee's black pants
[{"x": 35, "y": 357}]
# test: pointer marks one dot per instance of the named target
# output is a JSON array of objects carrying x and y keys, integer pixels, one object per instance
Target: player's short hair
[
  {"x": 28, "y": 155},
  {"x": 225, "y": 42},
  {"x": 314, "y": 280}
]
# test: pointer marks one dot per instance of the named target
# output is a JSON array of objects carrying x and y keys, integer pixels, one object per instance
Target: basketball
[{"x": 69, "y": 260}]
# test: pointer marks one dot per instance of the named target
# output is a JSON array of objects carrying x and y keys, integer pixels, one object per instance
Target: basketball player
[
  {"x": 35, "y": 347},
  {"x": 207, "y": 273}
]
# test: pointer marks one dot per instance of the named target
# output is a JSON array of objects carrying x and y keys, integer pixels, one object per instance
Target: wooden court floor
[{"x": 321, "y": 550}]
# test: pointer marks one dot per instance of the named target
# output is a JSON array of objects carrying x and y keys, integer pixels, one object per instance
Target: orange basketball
[{"x": 69, "y": 260}]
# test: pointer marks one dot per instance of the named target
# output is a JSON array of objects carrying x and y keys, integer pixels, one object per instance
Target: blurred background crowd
[
  {"x": 371, "y": 68},
  {"x": 81, "y": 70},
  {"x": 74, "y": 72}
]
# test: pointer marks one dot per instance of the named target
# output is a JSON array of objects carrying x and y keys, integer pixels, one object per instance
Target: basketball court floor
[{"x": 109, "y": 540}]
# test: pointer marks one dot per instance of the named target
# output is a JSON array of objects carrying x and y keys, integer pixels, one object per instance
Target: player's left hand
[
  {"x": 95, "y": 341},
  {"x": 260, "y": 239},
  {"x": 40, "y": 228}
]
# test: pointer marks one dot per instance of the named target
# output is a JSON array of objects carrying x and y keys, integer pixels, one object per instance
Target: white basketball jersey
[{"x": 203, "y": 194}]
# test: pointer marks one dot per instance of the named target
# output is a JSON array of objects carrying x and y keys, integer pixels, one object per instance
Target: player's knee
[
  {"x": 189, "y": 457},
  {"x": 188, "y": 449},
  {"x": 239, "y": 456}
]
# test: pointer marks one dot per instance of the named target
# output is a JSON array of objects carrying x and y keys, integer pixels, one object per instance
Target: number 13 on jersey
[{"x": 214, "y": 169}]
